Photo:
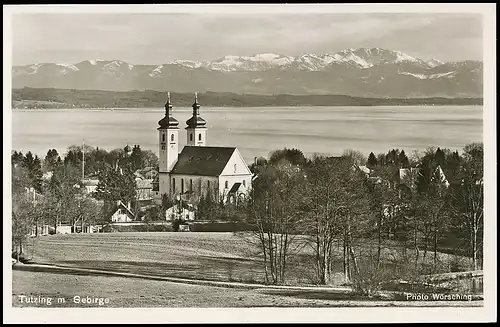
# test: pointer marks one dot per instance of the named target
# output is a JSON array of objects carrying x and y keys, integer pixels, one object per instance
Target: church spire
[
  {"x": 168, "y": 121},
  {"x": 168, "y": 106},
  {"x": 196, "y": 121},
  {"x": 196, "y": 126},
  {"x": 196, "y": 105}
]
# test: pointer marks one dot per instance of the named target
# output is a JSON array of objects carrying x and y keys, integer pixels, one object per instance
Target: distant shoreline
[{"x": 40, "y": 98}]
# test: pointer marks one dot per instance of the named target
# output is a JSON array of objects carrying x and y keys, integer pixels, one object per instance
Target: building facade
[{"x": 199, "y": 170}]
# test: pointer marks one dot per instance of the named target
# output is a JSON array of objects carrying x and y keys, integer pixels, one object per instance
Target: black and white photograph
[{"x": 269, "y": 159}]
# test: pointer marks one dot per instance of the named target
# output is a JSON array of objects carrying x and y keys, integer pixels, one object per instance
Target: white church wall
[
  {"x": 168, "y": 149},
  {"x": 196, "y": 139},
  {"x": 236, "y": 171},
  {"x": 164, "y": 183},
  {"x": 231, "y": 180},
  {"x": 236, "y": 166},
  {"x": 200, "y": 184}
]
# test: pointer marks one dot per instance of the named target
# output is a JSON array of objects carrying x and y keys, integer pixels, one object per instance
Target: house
[
  {"x": 182, "y": 211},
  {"x": 123, "y": 213},
  {"x": 408, "y": 176},
  {"x": 47, "y": 176},
  {"x": 90, "y": 185},
  {"x": 198, "y": 170},
  {"x": 144, "y": 192}
]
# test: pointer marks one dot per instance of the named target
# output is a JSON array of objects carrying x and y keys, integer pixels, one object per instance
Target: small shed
[
  {"x": 123, "y": 213},
  {"x": 184, "y": 212}
]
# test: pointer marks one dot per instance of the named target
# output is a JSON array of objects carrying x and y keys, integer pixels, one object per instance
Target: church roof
[
  {"x": 168, "y": 122},
  {"x": 195, "y": 121},
  {"x": 202, "y": 160}
]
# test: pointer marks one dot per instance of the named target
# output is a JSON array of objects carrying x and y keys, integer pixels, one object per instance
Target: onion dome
[
  {"x": 168, "y": 121},
  {"x": 196, "y": 121}
]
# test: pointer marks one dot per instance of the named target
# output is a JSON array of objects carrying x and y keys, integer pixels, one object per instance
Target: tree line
[
  {"x": 57, "y": 98},
  {"x": 390, "y": 221}
]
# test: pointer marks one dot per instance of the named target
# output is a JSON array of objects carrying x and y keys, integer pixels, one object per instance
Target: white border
[{"x": 198, "y": 315}]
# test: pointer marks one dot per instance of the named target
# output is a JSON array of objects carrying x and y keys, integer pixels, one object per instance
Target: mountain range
[{"x": 361, "y": 72}]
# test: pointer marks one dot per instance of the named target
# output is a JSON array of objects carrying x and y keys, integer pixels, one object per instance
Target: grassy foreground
[
  {"x": 122, "y": 292},
  {"x": 207, "y": 256}
]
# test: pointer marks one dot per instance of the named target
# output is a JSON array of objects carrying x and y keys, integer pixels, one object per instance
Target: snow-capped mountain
[{"x": 358, "y": 72}]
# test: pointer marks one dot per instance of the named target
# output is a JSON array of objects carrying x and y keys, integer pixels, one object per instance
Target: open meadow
[
  {"x": 204, "y": 256},
  {"x": 207, "y": 256}
]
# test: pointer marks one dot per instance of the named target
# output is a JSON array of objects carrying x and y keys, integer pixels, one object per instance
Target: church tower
[
  {"x": 196, "y": 126},
  {"x": 168, "y": 133}
]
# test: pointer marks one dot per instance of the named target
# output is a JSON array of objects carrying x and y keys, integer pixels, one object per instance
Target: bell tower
[
  {"x": 168, "y": 134},
  {"x": 196, "y": 126}
]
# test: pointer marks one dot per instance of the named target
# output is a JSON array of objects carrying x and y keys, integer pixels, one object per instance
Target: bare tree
[
  {"x": 470, "y": 198},
  {"x": 357, "y": 157},
  {"x": 274, "y": 211},
  {"x": 335, "y": 204}
]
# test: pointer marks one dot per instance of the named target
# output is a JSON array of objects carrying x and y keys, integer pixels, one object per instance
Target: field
[
  {"x": 130, "y": 292},
  {"x": 201, "y": 256},
  {"x": 206, "y": 256},
  {"x": 209, "y": 256}
]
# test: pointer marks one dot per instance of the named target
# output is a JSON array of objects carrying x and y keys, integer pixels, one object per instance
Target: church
[{"x": 198, "y": 170}]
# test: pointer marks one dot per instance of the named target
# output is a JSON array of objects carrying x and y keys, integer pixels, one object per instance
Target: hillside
[
  {"x": 374, "y": 72},
  {"x": 65, "y": 98}
]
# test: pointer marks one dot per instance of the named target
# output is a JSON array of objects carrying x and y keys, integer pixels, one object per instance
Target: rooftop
[{"x": 203, "y": 160}]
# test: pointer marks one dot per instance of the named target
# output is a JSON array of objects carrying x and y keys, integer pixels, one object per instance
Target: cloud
[{"x": 159, "y": 38}]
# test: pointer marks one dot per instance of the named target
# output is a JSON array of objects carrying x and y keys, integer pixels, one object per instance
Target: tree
[
  {"x": 23, "y": 213},
  {"x": 470, "y": 198},
  {"x": 274, "y": 211},
  {"x": 149, "y": 159},
  {"x": 60, "y": 197},
  {"x": 403, "y": 160},
  {"x": 372, "y": 161},
  {"x": 115, "y": 186},
  {"x": 17, "y": 158},
  {"x": 52, "y": 160},
  {"x": 355, "y": 156},
  {"x": 385, "y": 206},
  {"x": 136, "y": 158},
  {"x": 381, "y": 159},
  {"x": 333, "y": 201},
  {"x": 86, "y": 211},
  {"x": 293, "y": 156},
  {"x": 34, "y": 169},
  {"x": 439, "y": 157}
]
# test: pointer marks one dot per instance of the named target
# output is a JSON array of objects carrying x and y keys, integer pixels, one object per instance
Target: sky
[{"x": 161, "y": 38}]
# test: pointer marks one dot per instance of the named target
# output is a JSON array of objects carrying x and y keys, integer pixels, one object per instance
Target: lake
[{"x": 257, "y": 131}]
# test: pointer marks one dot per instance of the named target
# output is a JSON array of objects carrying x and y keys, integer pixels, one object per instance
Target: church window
[
  {"x": 163, "y": 146},
  {"x": 226, "y": 185},
  {"x": 234, "y": 168},
  {"x": 182, "y": 186},
  {"x": 199, "y": 137},
  {"x": 244, "y": 183},
  {"x": 163, "y": 137},
  {"x": 191, "y": 136},
  {"x": 172, "y": 137}
]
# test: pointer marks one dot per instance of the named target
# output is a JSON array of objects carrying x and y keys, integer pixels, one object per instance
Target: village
[{"x": 197, "y": 172}]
